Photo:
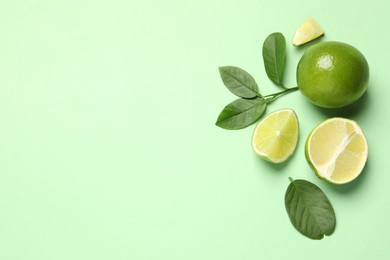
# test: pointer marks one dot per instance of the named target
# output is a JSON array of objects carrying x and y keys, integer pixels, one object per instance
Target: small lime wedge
[
  {"x": 276, "y": 136},
  {"x": 337, "y": 150},
  {"x": 307, "y": 32}
]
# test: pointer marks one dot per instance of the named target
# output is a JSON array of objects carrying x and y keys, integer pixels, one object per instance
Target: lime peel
[{"x": 332, "y": 74}]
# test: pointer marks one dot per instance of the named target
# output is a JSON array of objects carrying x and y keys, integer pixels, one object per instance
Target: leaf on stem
[
  {"x": 274, "y": 54},
  {"x": 239, "y": 82},
  {"x": 241, "y": 113},
  {"x": 309, "y": 209}
]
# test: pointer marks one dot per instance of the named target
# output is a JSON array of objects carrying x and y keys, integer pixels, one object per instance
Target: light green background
[{"x": 108, "y": 148}]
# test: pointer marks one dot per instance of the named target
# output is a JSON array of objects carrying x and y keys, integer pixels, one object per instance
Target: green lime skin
[{"x": 332, "y": 74}]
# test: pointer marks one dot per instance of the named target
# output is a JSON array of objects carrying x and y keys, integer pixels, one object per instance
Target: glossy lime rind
[{"x": 332, "y": 74}]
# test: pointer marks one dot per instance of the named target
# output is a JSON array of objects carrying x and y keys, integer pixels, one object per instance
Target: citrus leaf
[
  {"x": 240, "y": 113},
  {"x": 309, "y": 209},
  {"x": 274, "y": 54},
  {"x": 239, "y": 82}
]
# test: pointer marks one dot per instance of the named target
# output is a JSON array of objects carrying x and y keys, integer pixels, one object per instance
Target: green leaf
[
  {"x": 274, "y": 54},
  {"x": 239, "y": 82},
  {"x": 309, "y": 209},
  {"x": 241, "y": 113}
]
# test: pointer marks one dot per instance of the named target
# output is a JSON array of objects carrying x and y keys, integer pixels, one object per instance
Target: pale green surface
[{"x": 108, "y": 148}]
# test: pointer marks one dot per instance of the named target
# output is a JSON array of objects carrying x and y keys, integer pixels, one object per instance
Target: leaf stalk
[{"x": 272, "y": 97}]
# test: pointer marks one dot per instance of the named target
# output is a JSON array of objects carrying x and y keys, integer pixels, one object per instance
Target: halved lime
[
  {"x": 276, "y": 136},
  {"x": 337, "y": 150}
]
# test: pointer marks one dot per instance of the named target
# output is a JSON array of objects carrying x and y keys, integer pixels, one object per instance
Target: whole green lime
[{"x": 332, "y": 74}]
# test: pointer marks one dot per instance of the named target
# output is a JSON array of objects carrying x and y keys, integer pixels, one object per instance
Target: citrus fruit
[
  {"x": 337, "y": 150},
  {"x": 332, "y": 74},
  {"x": 307, "y": 32},
  {"x": 276, "y": 136}
]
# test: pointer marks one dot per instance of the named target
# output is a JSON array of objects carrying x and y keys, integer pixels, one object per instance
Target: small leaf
[
  {"x": 309, "y": 209},
  {"x": 241, "y": 113},
  {"x": 239, "y": 82},
  {"x": 274, "y": 54}
]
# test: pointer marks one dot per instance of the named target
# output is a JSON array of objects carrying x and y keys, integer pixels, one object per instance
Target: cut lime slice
[
  {"x": 337, "y": 150},
  {"x": 276, "y": 136},
  {"x": 307, "y": 32}
]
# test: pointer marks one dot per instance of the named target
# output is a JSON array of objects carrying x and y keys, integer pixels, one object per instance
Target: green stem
[{"x": 272, "y": 97}]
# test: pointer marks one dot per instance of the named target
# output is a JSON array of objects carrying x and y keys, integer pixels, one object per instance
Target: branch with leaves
[{"x": 251, "y": 104}]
